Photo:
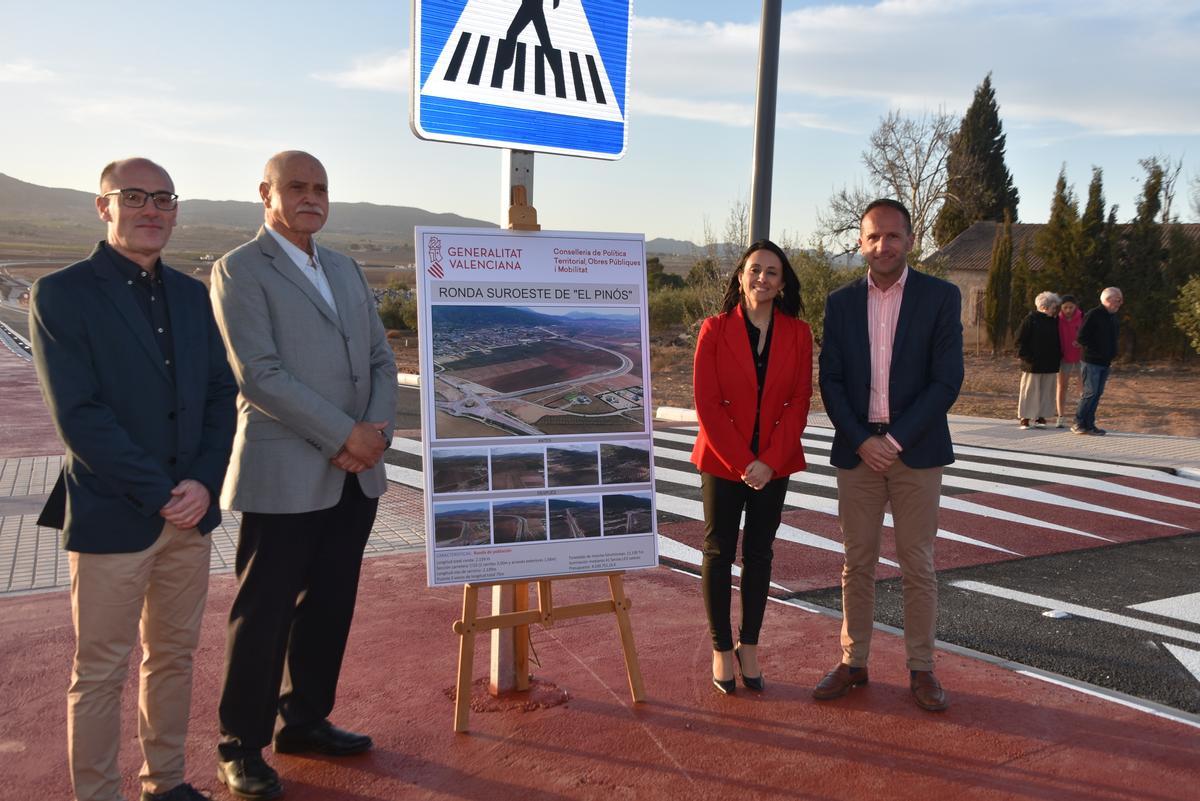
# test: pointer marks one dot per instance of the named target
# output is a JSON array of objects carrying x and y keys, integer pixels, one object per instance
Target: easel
[
  {"x": 546, "y": 614},
  {"x": 510, "y": 599}
]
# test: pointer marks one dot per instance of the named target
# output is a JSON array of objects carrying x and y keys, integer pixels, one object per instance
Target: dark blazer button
[
  {"x": 170, "y": 415},
  {"x": 172, "y": 460}
]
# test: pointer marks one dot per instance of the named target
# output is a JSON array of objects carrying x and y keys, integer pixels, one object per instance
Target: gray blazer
[{"x": 306, "y": 375}]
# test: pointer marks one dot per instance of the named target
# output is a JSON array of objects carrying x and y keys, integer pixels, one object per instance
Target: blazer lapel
[
  {"x": 737, "y": 340},
  {"x": 781, "y": 349},
  {"x": 338, "y": 277},
  {"x": 121, "y": 296},
  {"x": 184, "y": 324},
  {"x": 860, "y": 325},
  {"x": 908, "y": 307},
  {"x": 288, "y": 269}
]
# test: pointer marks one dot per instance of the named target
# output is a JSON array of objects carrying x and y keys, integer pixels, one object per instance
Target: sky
[{"x": 210, "y": 90}]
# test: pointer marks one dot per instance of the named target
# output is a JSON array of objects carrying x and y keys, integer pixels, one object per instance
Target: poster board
[{"x": 536, "y": 421}]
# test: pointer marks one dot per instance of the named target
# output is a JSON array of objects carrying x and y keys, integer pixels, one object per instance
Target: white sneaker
[{"x": 1059, "y": 424}]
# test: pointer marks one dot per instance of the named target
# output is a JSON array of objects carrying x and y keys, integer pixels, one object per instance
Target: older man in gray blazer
[{"x": 317, "y": 400}]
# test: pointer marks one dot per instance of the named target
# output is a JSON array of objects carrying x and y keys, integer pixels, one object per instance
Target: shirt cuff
[{"x": 895, "y": 444}]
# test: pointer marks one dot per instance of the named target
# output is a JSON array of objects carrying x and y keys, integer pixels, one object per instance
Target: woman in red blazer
[{"x": 753, "y": 383}]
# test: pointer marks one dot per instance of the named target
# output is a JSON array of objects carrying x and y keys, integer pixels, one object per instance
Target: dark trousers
[
  {"x": 297, "y": 584},
  {"x": 1095, "y": 376},
  {"x": 724, "y": 501}
]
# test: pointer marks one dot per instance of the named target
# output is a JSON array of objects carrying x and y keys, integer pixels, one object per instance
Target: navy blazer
[
  {"x": 926, "y": 370},
  {"x": 116, "y": 408}
]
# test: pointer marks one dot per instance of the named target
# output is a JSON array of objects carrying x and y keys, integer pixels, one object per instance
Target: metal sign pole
[
  {"x": 764, "y": 122},
  {"x": 516, "y": 169}
]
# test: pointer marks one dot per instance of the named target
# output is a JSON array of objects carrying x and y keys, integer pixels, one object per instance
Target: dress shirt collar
[
  {"x": 302, "y": 259},
  {"x": 903, "y": 278},
  {"x": 129, "y": 269}
]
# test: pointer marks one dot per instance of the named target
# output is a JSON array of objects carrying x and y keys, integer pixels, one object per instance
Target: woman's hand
[{"x": 757, "y": 474}]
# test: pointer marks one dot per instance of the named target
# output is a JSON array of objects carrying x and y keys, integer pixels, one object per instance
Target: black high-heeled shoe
[
  {"x": 725, "y": 686},
  {"x": 755, "y": 683}
]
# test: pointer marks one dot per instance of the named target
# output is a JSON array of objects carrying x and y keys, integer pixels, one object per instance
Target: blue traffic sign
[{"x": 545, "y": 75}]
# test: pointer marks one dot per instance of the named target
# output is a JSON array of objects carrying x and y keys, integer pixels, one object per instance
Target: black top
[
  {"x": 1038, "y": 345},
  {"x": 150, "y": 294},
  {"x": 1098, "y": 336},
  {"x": 760, "y": 365}
]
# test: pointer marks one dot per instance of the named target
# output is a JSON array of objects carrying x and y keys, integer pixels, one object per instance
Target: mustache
[{"x": 311, "y": 209}]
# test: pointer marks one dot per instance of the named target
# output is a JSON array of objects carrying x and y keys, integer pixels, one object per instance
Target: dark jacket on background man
[
  {"x": 1098, "y": 337},
  {"x": 1037, "y": 344}
]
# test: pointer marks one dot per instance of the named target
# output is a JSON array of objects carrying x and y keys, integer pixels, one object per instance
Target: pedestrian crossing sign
[{"x": 550, "y": 76}]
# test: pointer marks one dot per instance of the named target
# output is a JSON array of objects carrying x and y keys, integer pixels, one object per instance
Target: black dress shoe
[
  {"x": 250, "y": 777},
  {"x": 180, "y": 792},
  {"x": 755, "y": 683},
  {"x": 322, "y": 738}
]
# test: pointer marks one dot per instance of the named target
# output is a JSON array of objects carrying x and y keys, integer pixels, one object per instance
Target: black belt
[{"x": 877, "y": 428}]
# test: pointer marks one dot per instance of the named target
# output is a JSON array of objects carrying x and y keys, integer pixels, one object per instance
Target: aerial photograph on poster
[
  {"x": 533, "y": 371},
  {"x": 574, "y": 518},
  {"x": 460, "y": 524},
  {"x": 519, "y": 521},
  {"x": 625, "y": 463},
  {"x": 627, "y": 513},
  {"x": 460, "y": 470},
  {"x": 518, "y": 467},
  {"x": 572, "y": 465}
]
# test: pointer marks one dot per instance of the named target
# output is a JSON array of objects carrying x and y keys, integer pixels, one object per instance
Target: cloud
[
  {"x": 1108, "y": 67},
  {"x": 388, "y": 72},
  {"x": 166, "y": 119},
  {"x": 24, "y": 72},
  {"x": 723, "y": 112}
]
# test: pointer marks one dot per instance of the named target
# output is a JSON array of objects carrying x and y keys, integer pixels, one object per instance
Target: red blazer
[{"x": 726, "y": 388}]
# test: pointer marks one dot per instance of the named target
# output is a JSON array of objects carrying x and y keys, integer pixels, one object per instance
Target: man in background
[
  {"x": 134, "y": 374},
  {"x": 1098, "y": 337}
]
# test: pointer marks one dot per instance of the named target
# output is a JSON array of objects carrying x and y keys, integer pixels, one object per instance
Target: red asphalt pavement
[{"x": 1005, "y": 736}]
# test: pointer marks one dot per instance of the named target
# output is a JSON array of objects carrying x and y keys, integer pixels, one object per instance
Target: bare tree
[
  {"x": 1171, "y": 167},
  {"x": 737, "y": 232},
  {"x": 906, "y": 159},
  {"x": 1196, "y": 196}
]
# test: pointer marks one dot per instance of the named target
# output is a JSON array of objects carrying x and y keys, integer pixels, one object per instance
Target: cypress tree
[
  {"x": 979, "y": 185},
  {"x": 1095, "y": 241},
  {"x": 1139, "y": 271},
  {"x": 1020, "y": 299},
  {"x": 1058, "y": 241},
  {"x": 999, "y": 286}
]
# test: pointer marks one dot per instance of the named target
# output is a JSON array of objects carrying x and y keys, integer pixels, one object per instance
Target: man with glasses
[{"x": 134, "y": 373}]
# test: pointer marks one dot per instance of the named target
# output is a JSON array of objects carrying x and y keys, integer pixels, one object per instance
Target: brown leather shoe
[
  {"x": 838, "y": 682},
  {"x": 928, "y": 692}
]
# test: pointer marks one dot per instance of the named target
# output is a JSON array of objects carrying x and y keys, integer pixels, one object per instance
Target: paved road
[{"x": 1032, "y": 532}]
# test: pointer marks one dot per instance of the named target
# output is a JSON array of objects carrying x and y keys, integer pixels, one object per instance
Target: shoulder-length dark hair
[{"x": 787, "y": 301}]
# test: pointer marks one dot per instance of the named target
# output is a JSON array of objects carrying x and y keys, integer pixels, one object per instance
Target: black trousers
[
  {"x": 297, "y": 585},
  {"x": 724, "y": 501}
]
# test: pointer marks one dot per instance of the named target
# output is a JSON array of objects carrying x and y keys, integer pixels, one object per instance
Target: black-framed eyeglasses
[{"x": 134, "y": 198}]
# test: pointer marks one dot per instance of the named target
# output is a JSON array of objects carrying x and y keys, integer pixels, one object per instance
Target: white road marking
[
  {"x": 1181, "y": 607},
  {"x": 1187, "y": 657},
  {"x": 1078, "y": 610}
]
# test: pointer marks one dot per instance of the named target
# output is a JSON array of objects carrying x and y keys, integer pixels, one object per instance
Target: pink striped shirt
[{"x": 883, "y": 311}]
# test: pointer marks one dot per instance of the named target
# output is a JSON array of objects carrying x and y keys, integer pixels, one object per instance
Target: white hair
[
  {"x": 1046, "y": 300},
  {"x": 1110, "y": 291}
]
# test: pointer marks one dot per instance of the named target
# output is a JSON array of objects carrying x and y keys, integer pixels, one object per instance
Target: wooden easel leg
[
  {"x": 621, "y": 607},
  {"x": 466, "y": 658},
  {"x": 521, "y": 638}
]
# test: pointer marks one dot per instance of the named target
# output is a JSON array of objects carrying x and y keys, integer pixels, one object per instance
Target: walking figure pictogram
[{"x": 532, "y": 11}]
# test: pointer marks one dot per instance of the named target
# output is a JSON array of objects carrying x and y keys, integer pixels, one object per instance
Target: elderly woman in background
[
  {"x": 1041, "y": 355},
  {"x": 753, "y": 384},
  {"x": 1070, "y": 320}
]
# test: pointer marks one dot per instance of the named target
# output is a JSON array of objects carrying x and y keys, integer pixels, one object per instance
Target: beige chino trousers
[
  {"x": 164, "y": 587},
  {"x": 863, "y": 496}
]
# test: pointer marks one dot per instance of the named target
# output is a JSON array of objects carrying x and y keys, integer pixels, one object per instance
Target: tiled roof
[{"x": 971, "y": 251}]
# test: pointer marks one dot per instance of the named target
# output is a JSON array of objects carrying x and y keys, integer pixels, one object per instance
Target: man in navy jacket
[
  {"x": 134, "y": 373},
  {"x": 891, "y": 366}
]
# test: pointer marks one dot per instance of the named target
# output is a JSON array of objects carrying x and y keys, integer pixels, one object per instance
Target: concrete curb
[
  {"x": 408, "y": 379},
  {"x": 675, "y": 414}
]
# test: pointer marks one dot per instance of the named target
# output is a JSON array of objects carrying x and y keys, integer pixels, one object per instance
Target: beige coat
[{"x": 305, "y": 376}]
